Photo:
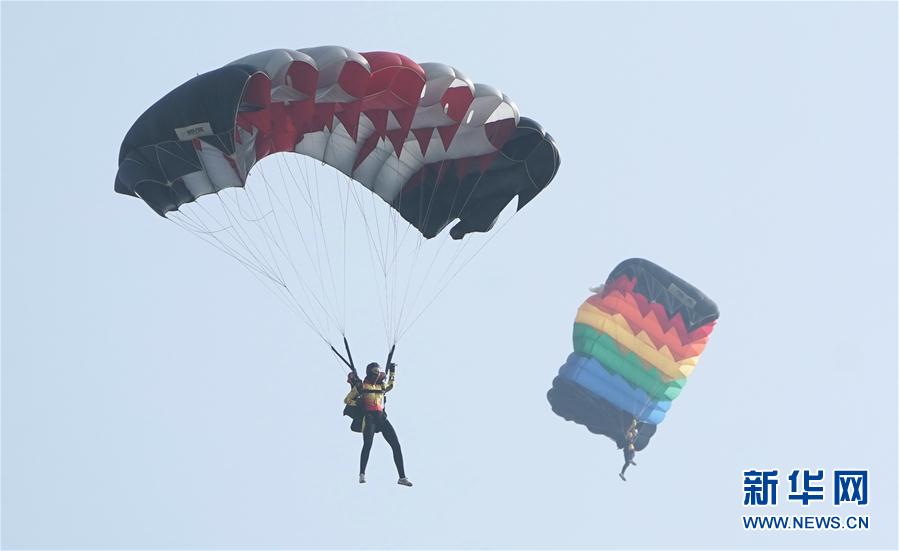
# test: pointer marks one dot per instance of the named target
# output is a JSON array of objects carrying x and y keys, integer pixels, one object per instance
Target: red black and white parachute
[
  {"x": 462, "y": 150},
  {"x": 435, "y": 147}
]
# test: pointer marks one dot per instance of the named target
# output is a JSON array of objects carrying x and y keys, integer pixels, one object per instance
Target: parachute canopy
[
  {"x": 636, "y": 341},
  {"x": 436, "y": 148},
  {"x": 460, "y": 149}
]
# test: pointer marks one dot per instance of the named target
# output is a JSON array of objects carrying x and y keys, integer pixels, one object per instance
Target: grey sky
[{"x": 155, "y": 396}]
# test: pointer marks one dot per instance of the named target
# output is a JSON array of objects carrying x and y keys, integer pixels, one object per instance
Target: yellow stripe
[{"x": 616, "y": 326}]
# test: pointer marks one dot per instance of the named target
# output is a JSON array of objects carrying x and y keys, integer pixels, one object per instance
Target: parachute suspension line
[
  {"x": 409, "y": 277},
  {"x": 464, "y": 245},
  {"x": 314, "y": 205},
  {"x": 393, "y": 258},
  {"x": 319, "y": 332},
  {"x": 327, "y": 307},
  {"x": 396, "y": 216},
  {"x": 344, "y": 211},
  {"x": 447, "y": 237},
  {"x": 377, "y": 224},
  {"x": 392, "y": 265},
  {"x": 314, "y": 260},
  {"x": 424, "y": 281},
  {"x": 371, "y": 251},
  {"x": 490, "y": 238},
  {"x": 280, "y": 283},
  {"x": 318, "y": 212},
  {"x": 396, "y": 284},
  {"x": 269, "y": 238},
  {"x": 236, "y": 235},
  {"x": 451, "y": 263},
  {"x": 390, "y": 275},
  {"x": 373, "y": 246},
  {"x": 294, "y": 218},
  {"x": 285, "y": 251},
  {"x": 422, "y": 223},
  {"x": 274, "y": 198},
  {"x": 414, "y": 265},
  {"x": 382, "y": 254},
  {"x": 467, "y": 240},
  {"x": 210, "y": 236},
  {"x": 185, "y": 222},
  {"x": 264, "y": 218},
  {"x": 459, "y": 250},
  {"x": 394, "y": 245},
  {"x": 243, "y": 235},
  {"x": 374, "y": 251},
  {"x": 461, "y": 210},
  {"x": 201, "y": 228},
  {"x": 448, "y": 269}
]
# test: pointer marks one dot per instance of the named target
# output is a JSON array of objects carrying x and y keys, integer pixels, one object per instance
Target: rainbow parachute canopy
[{"x": 636, "y": 341}]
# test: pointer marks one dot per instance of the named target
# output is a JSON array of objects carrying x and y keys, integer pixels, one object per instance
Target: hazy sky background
[{"x": 154, "y": 395}]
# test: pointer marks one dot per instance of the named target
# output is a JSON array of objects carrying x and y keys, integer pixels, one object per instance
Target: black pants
[
  {"x": 629, "y": 455},
  {"x": 377, "y": 421}
]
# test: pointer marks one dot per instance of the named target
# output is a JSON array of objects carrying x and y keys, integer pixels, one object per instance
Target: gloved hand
[{"x": 391, "y": 367}]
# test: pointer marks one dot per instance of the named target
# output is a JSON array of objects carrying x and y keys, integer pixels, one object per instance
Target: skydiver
[
  {"x": 369, "y": 395},
  {"x": 629, "y": 448}
]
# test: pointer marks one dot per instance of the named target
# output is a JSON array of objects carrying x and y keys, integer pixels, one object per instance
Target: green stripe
[{"x": 590, "y": 342}]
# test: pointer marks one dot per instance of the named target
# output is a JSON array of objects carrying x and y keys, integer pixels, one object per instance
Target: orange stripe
[{"x": 615, "y": 303}]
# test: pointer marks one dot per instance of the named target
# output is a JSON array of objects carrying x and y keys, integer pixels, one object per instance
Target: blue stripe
[{"x": 588, "y": 373}]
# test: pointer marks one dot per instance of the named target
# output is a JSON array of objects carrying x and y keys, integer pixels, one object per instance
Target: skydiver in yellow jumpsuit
[{"x": 369, "y": 395}]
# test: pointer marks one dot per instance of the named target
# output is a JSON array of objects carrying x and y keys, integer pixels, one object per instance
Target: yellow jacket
[{"x": 371, "y": 393}]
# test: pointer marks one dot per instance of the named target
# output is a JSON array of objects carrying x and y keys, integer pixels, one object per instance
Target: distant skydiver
[
  {"x": 368, "y": 395},
  {"x": 629, "y": 451},
  {"x": 635, "y": 341}
]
